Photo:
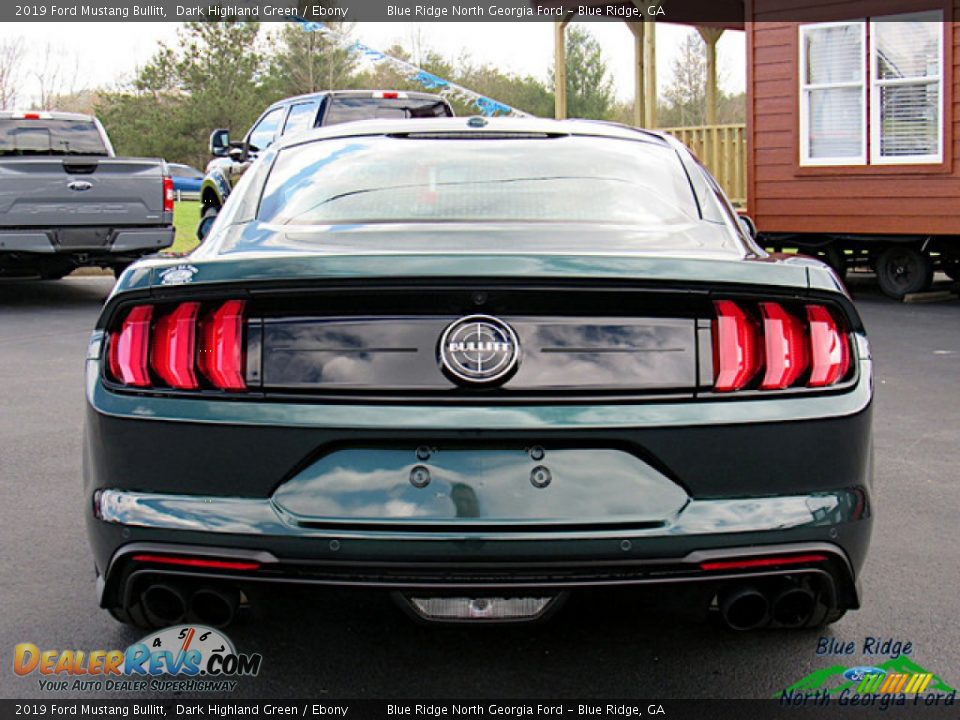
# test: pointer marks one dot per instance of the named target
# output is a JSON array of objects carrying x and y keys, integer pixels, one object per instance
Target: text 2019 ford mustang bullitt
[{"x": 481, "y": 364}]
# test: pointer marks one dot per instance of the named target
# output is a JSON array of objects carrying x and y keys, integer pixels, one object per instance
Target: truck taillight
[
  {"x": 811, "y": 351},
  {"x": 179, "y": 348},
  {"x": 167, "y": 194}
]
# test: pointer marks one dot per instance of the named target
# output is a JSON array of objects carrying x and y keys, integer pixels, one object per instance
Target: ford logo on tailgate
[{"x": 80, "y": 185}]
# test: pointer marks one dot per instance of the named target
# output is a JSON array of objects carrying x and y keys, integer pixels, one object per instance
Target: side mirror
[
  {"x": 219, "y": 142},
  {"x": 748, "y": 225},
  {"x": 237, "y": 154}
]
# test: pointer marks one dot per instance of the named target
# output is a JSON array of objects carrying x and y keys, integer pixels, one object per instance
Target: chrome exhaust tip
[
  {"x": 744, "y": 607},
  {"x": 164, "y": 604},
  {"x": 793, "y": 606},
  {"x": 216, "y": 607}
]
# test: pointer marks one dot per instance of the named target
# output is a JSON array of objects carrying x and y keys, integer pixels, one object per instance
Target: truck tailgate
[{"x": 80, "y": 191}]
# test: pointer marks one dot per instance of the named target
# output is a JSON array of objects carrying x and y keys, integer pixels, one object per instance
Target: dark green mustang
[{"x": 480, "y": 364}]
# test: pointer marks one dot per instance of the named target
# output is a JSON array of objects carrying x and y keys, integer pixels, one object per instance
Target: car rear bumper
[
  {"x": 280, "y": 484},
  {"x": 95, "y": 240}
]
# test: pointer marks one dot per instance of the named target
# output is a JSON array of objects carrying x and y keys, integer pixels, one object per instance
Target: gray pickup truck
[{"x": 67, "y": 201}]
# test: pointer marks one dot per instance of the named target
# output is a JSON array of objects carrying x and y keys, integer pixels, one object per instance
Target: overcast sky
[{"x": 105, "y": 54}]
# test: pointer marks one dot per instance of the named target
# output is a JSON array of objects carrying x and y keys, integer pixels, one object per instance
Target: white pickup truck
[{"x": 67, "y": 201}]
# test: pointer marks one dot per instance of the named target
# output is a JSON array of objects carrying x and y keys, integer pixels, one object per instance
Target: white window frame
[
  {"x": 875, "y": 123},
  {"x": 805, "y": 89}
]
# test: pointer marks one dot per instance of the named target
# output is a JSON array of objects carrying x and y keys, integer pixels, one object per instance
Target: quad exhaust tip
[
  {"x": 750, "y": 607},
  {"x": 170, "y": 603}
]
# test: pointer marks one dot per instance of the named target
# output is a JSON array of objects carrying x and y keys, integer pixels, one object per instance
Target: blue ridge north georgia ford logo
[{"x": 479, "y": 349}]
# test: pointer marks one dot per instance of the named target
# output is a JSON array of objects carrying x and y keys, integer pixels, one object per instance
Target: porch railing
[{"x": 723, "y": 149}]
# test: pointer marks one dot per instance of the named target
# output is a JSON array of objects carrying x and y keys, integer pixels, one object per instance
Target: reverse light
[
  {"x": 735, "y": 349},
  {"x": 167, "y": 194}
]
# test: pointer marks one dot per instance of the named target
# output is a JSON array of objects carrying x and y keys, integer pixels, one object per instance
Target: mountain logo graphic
[{"x": 897, "y": 675}]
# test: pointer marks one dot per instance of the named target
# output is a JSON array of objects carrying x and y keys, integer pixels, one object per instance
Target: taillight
[
  {"x": 830, "y": 349},
  {"x": 167, "y": 194},
  {"x": 221, "y": 353},
  {"x": 790, "y": 349},
  {"x": 129, "y": 350},
  {"x": 735, "y": 350},
  {"x": 785, "y": 347},
  {"x": 180, "y": 349},
  {"x": 174, "y": 342}
]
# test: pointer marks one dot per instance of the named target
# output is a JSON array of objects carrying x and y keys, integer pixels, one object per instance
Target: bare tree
[
  {"x": 11, "y": 60},
  {"x": 56, "y": 75},
  {"x": 687, "y": 90}
]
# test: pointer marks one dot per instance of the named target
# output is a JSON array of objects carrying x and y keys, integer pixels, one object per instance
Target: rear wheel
[
  {"x": 950, "y": 264},
  {"x": 56, "y": 270},
  {"x": 206, "y": 221},
  {"x": 902, "y": 270},
  {"x": 836, "y": 259}
]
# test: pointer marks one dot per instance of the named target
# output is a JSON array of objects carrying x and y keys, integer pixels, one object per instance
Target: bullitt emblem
[{"x": 479, "y": 349}]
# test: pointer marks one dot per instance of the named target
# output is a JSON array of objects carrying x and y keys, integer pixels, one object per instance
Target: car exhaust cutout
[
  {"x": 216, "y": 607},
  {"x": 793, "y": 606},
  {"x": 744, "y": 607},
  {"x": 164, "y": 604}
]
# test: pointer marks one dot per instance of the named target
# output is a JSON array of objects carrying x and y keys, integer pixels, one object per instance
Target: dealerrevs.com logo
[{"x": 184, "y": 658}]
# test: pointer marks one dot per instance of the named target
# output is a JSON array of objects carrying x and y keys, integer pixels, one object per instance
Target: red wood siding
[{"x": 783, "y": 197}]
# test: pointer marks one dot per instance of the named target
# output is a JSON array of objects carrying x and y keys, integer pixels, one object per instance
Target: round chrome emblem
[{"x": 479, "y": 349}]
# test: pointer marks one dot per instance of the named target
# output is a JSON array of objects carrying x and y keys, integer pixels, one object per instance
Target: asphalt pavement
[{"x": 352, "y": 646}]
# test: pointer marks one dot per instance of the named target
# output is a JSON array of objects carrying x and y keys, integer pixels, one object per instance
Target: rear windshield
[
  {"x": 50, "y": 137},
  {"x": 560, "y": 179},
  {"x": 348, "y": 109}
]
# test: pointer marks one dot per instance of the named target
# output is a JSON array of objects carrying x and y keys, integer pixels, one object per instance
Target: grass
[{"x": 186, "y": 216}]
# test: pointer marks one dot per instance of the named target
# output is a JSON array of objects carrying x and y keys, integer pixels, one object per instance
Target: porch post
[
  {"x": 560, "y": 67},
  {"x": 710, "y": 36},
  {"x": 650, "y": 68},
  {"x": 639, "y": 72}
]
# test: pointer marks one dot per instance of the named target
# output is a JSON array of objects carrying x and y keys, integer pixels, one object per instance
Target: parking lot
[{"x": 349, "y": 647}]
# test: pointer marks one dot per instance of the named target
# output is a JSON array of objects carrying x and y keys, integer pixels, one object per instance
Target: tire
[
  {"x": 902, "y": 270},
  {"x": 950, "y": 264},
  {"x": 55, "y": 270},
  {"x": 836, "y": 259},
  {"x": 206, "y": 221}
]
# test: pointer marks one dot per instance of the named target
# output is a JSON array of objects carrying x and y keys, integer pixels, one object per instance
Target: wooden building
[{"x": 851, "y": 146}]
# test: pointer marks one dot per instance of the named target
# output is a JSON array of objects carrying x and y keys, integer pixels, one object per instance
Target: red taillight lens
[
  {"x": 174, "y": 345},
  {"x": 167, "y": 194},
  {"x": 197, "y": 562},
  {"x": 129, "y": 348},
  {"x": 735, "y": 349},
  {"x": 221, "y": 346},
  {"x": 785, "y": 347},
  {"x": 179, "y": 346},
  {"x": 830, "y": 351},
  {"x": 807, "y": 347},
  {"x": 758, "y": 562}
]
